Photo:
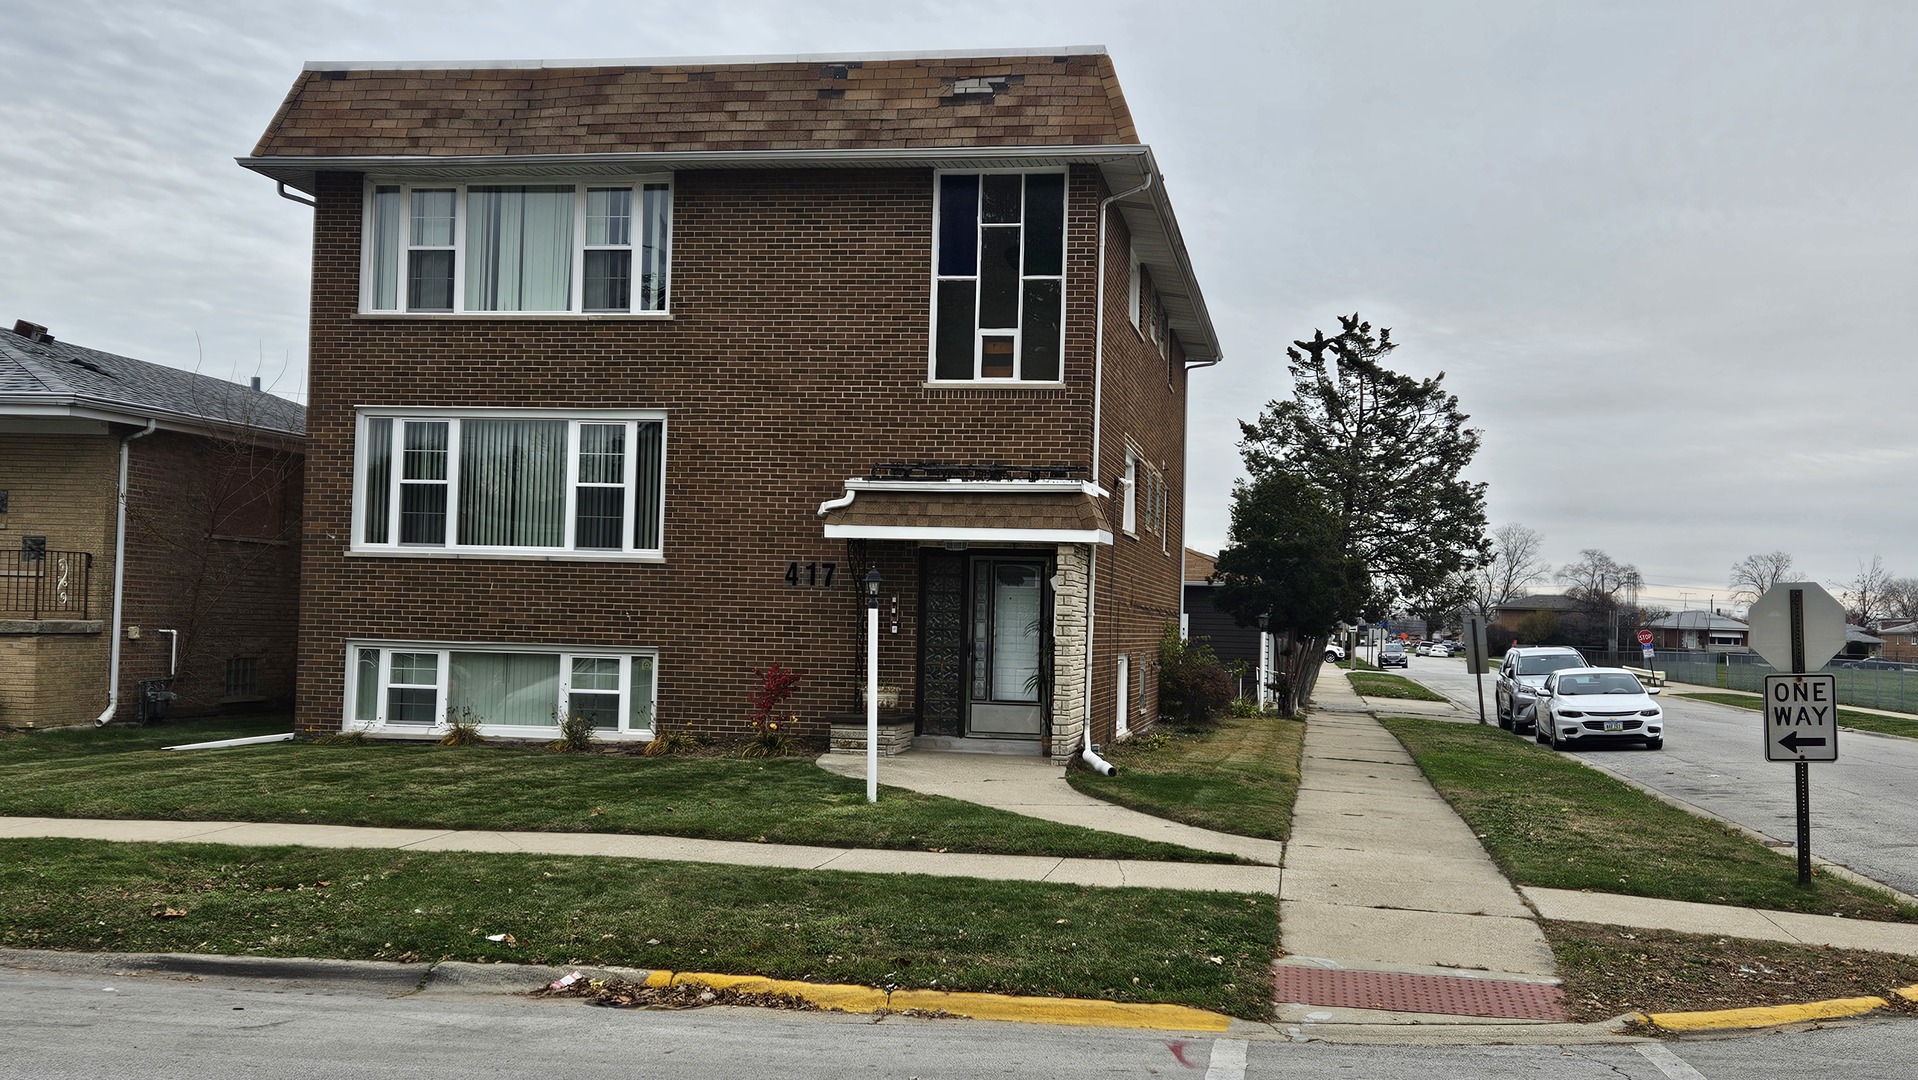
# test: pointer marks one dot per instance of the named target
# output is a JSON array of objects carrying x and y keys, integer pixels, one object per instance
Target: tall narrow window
[
  {"x": 429, "y": 252},
  {"x": 657, "y": 204},
  {"x": 384, "y": 259},
  {"x": 600, "y": 502},
  {"x": 423, "y": 484},
  {"x": 609, "y": 249},
  {"x": 377, "y": 493},
  {"x": 999, "y": 278}
]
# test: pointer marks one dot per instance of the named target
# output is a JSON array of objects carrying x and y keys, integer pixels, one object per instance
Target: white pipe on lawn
[
  {"x": 1099, "y": 765},
  {"x": 872, "y": 700}
]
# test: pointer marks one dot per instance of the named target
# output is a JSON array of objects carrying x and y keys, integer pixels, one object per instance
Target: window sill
[
  {"x": 512, "y": 556},
  {"x": 515, "y": 316},
  {"x": 991, "y": 384}
]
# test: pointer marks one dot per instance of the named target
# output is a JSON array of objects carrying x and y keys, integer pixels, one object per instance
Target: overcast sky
[{"x": 1663, "y": 252}]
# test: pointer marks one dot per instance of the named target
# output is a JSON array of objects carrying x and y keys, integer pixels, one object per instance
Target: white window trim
[
  {"x": 444, "y": 650},
  {"x": 1017, "y": 332},
  {"x": 574, "y": 417},
  {"x": 1129, "y": 517},
  {"x": 637, "y": 182}
]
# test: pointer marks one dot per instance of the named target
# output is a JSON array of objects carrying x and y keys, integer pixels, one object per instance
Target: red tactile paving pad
[{"x": 1446, "y": 995}]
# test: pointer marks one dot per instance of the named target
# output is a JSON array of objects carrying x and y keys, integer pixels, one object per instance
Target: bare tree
[
  {"x": 1605, "y": 592},
  {"x": 1513, "y": 567},
  {"x": 1754, "y": 575},
  {"x": 1901, "y": 598},
  {"x": 1865, "y": 596}
]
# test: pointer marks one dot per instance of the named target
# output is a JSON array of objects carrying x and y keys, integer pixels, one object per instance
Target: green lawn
[
  {"x": 1379, "y": 685},
  {"x": 1851, "y": 718},
  {"x": 1550, "y": 821},
  {"x": 121, "y": 773},
  {"x": 1238, "y": 777},
  {"x": 1207, "y": 950}
]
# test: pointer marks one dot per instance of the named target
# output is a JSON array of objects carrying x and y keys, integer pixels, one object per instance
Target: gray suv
[{"x": 1519, "y": 678}]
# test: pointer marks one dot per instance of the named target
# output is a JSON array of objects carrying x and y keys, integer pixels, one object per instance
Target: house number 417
[{"x": 815, "y": 574}]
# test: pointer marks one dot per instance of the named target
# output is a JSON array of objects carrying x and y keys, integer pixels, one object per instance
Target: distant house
[
  {"x": 1204, "y": 621},
  {"x": 1861, "y": 643},
  {"x": 1901, "y": 641},
  {"x": 149, "y": 528},
  {"x": 1503, "y": 628},
  {"x": 1700, "y": 631}
]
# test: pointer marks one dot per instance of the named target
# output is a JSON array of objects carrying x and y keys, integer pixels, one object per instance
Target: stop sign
[
  {"x": 1644, "y": 637},
  {"x": 1770, "y": 620}
]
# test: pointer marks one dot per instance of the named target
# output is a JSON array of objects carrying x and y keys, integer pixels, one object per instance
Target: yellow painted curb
[
  {"x": 1909, "y": 993},
  {"x": 1767, "y": 1015},
  {"x": 1032, "y": 1010}
]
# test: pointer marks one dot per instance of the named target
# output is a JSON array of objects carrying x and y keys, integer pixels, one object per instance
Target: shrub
[
  {"x": 1194, "y": 687},
  {"x": 776, "y": 684},
  {"x": 667, "y": 743},
  {"x": 576, "y": 735},
  {"x": 462, "y": 728}
]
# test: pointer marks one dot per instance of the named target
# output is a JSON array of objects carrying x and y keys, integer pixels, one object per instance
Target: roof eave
[{"x": 76, "y": 407}]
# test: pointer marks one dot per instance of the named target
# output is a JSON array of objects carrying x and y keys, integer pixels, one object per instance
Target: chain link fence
[{"x": 1896, "y": 691}]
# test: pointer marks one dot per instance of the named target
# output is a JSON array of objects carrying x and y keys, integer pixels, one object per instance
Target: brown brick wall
[
  {"x": 213, "y": 553},
  {"x": 1139, "y": 583},
  {"x": 796, "y": 357}
]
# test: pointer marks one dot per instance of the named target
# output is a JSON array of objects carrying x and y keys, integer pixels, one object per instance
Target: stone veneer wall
[{"x": 1069, "y": 650}]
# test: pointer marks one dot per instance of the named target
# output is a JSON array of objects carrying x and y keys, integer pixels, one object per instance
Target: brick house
[
  {"x": 623, "y": 377},
  {"x": 193, "y": 575},
  {"x": 1700, "y": 631}
]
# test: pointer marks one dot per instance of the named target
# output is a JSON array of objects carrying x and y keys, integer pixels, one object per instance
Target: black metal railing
[{"x": 38, "y": 583}]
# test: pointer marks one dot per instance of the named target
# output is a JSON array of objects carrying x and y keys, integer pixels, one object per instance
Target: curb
[
  {"x": 1773, "y": 1015},
  {"x": 1077, "y": 1012}
]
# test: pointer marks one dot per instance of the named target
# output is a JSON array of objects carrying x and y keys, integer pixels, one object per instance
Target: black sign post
[{"x": 1802, "y": 769}]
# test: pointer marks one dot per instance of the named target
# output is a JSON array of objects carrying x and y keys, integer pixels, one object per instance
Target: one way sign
[{"x": 1801, "y": 718}]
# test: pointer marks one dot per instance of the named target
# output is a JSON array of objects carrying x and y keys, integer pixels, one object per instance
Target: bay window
[
  {"x": 999, "y": 276},
  {"x": 588, "y": 248},
  {"x": 517, "y": 693},
  {"x": 493, "y": 481}
]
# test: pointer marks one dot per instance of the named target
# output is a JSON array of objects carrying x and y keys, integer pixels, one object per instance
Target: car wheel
[
  {"x": 1331, "y": 658},
  {"x": 1654, "y": 744},
  {"x": 1551, "y": 737},
  {"x": 1504, "y": 718}
]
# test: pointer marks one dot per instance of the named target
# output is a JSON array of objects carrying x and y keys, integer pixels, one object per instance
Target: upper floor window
[
  {"x": 501, "y": 482},
  {"x": 999, "y": 291},
  {"x": 487, "y": 248}
]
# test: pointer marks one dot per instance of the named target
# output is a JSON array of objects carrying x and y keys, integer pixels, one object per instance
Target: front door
[{"x": 1007, "y": 616}]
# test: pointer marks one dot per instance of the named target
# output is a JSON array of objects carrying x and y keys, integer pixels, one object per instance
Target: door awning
[{"x": 974, "y": 511}]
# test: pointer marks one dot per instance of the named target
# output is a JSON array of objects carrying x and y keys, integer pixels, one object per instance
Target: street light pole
[{"x": 872, "y": 685}]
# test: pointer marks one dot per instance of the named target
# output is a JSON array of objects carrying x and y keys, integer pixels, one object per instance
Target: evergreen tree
[{"x": 1384, "y": 451}]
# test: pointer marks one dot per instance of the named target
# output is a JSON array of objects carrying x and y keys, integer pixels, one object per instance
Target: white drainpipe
[
  {"x": 119, "y": 580},
  {"x": 1098, "y": 403}
]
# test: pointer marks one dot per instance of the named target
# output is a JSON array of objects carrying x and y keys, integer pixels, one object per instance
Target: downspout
[
  {"x": 119, "y": 579},
  {"x": 1086, "y": 753}
]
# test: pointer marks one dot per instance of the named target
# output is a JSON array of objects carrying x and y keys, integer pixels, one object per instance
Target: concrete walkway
[{"x": 1036, "y": 787}]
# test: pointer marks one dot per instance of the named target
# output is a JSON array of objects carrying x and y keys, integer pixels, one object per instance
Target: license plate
[{"x": 1614, "y": 725}]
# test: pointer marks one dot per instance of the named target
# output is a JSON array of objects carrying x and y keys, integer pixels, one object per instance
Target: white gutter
[
  {"x": 119, "y": 579},
  {"x": 837, "y": 504}
]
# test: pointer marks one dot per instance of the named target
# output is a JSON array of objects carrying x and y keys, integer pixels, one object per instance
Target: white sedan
[{"x": 1591, "y": 705}]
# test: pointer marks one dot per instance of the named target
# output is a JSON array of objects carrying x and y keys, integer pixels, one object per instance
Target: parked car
[
  {"x": 1334, "y": 653},
  {"x": 1520, "y": 676},
  {"x": 1585, "y": 705},
  {"x": 1393, "y": 655},
  {"x": 1877, "y": 663}
]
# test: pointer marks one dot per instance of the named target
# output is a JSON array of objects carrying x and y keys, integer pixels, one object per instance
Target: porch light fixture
[{"x": 873, "y": 582}]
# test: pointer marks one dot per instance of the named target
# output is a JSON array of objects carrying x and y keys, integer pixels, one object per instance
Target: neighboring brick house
[
  {"x": 624, "y": 376},
  {"x": 211, "y": 474},
  {"x": 1700, "y": 631},
  {"x": 1503, "y": 629},
  {"x": 1901, "y": 640}
]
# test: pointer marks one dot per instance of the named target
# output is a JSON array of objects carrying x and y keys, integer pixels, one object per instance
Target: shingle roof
[
  {"x": 1698, "y": 620},
  {"x": 35, "y": 372},
  {"x": 1070, "y": 97}
]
